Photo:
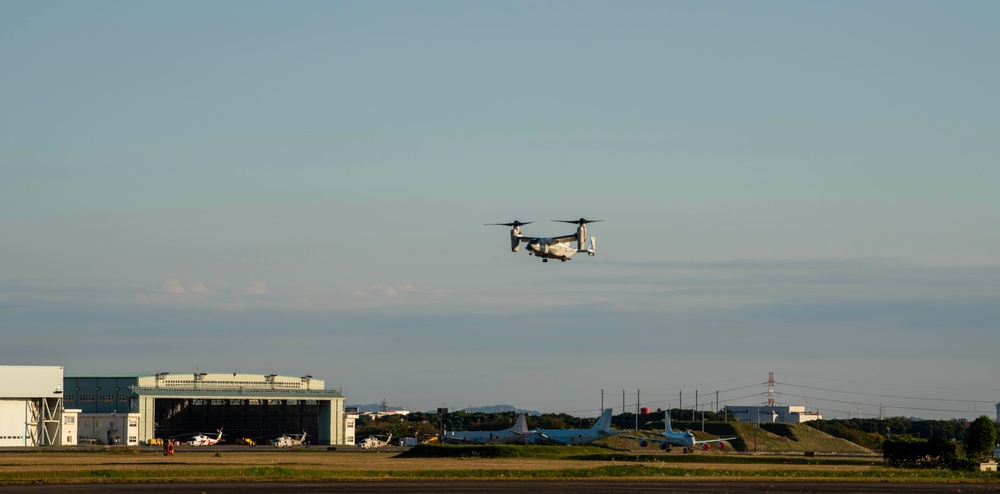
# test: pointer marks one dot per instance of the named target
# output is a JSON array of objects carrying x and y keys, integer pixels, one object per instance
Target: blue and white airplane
[
  {"x": 600, "y": 430},
  {"x": 684, "y": 439},
  {"x": 513, "y": 434}
]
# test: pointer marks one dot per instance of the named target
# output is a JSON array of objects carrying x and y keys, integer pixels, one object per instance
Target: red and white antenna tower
[{"x": 770, "y": 389}]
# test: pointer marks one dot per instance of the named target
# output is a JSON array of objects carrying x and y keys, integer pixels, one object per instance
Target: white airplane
[
  {"x": 600, "y": 430},
  {"x": 200, "y": 439},
  {"x": 286, "y": 441},
  {"x": 372, "y": 442},
  {"x": 516, "y": 433},
  {"x": 684, "y": 439},
  {"x": 552, "y": 247}
]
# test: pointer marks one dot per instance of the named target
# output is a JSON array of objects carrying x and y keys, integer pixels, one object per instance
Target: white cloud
[
  {"x": 256, "y": 288},
  {"x": 173, "y": 286},
  {"x": 385, "y": 291}
]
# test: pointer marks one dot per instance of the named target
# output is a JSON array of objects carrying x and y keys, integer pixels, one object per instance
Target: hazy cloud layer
[{"x": 723, "y": 319}]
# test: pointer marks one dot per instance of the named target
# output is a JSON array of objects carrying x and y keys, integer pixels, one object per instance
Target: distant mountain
[{"x": 500, "y": 408}]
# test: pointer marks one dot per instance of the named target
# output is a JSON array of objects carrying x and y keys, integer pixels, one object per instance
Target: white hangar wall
[{"x": 30, "y": 405}]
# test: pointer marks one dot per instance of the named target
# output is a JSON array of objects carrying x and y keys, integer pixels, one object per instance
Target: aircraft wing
[
  {"x": 640, "y": 438},
  {"x": 539, "y": 437},
  {"x": 661, "y": 440},
  {"x": 565, "y": 238},
  {"x": 456, "y": 440},
  {"x": 721, "y": 439}
]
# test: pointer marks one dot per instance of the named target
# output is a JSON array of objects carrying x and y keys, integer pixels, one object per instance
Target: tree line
[{"x": 870, "y": 433}]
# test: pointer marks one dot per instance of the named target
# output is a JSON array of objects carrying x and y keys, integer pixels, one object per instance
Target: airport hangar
[
  {"x": 134, "y": 408},
  {"x": 31, "y": 408}
]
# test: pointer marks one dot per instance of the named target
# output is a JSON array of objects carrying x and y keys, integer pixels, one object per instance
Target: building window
[
  {"x": 123, "y": 398},
  {"x": 86, "y": 399},
  {"x": 68, "y": 398},
  {"x": 107, "y": 398},
  {"x": 70, "y": 420}
]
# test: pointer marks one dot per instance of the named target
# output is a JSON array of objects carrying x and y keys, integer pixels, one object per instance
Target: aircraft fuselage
[{"x": 548, "y": 249}]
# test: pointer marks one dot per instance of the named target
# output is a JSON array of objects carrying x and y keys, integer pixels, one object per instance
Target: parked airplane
[
  {"x": 684, "y": 439},
  {"x": 518, "y": 432},
  {"x": 286, "y": 441},
  {"x": 200, "y": 439},
  {"x": 600, "y": 430},
  {"x": 372, "y": 442}
]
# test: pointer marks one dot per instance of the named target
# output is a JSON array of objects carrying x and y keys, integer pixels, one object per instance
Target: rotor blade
[
  {"x": 513, "y": 223},
  {"x": 581, "y": 221}
]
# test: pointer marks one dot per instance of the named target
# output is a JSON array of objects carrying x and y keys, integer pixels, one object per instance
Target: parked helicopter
[
  {"x": 373, "y": 442},
  {"x": 287, "y": 441},
  {"x": 205, "y": 440},
  {"x": 552, "y": 247}
]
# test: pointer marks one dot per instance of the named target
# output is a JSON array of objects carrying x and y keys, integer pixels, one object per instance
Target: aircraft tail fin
[
  {"x": 603, "y": 423},
  {"x": 666, "y": 421},
  {"x": 521, "y": 427}
]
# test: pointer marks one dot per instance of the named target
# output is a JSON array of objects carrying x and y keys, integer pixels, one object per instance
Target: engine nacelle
[
  {"x": 581, "y": 236},
  {"x": 722, "y": 445},
  {"x": 665, "y": 446},
  {"x": 643, "y": 443},
  {"x": 515, "y": 243},
  {"x": 706, "y": 447}
]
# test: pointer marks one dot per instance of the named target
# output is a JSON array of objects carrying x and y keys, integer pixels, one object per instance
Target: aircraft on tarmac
[
  {"x": 372, "y": 442},
  {"x": 684, "y": 439},
  {"x": 200, "y": 439},
  {"x": 552, "y": 247},
  {"x": 600, "y": 430},
  {"x": 513, "y": 434},
  {"x": 286, "y": 441}
]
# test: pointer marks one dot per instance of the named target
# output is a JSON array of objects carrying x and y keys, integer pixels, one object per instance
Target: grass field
[{"x": 139, "y": 465}]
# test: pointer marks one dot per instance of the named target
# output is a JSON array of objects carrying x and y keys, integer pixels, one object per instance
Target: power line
[
  {"x": 883, "y": 395},
  {"x": 887, "y": 406}
]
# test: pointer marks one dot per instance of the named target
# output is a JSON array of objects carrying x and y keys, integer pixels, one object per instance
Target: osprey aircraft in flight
[{"x": 559, "y": 247}]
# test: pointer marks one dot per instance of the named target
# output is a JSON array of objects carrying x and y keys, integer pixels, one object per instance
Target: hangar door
[
  {"x": 258, "y": 419},
  {"x": 14, "y": 418}
]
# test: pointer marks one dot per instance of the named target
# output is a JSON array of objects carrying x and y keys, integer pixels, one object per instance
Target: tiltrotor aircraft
[{"x": 552, "y": 247}]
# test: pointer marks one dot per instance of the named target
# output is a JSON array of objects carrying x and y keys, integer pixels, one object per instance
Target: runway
[{"x": 496, "y": 487}]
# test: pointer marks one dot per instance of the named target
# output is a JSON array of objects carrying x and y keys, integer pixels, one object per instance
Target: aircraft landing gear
[{"x": 545, "y": 259}]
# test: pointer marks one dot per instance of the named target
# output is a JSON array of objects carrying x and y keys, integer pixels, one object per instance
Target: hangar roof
[{"x": 240, "y": 393}]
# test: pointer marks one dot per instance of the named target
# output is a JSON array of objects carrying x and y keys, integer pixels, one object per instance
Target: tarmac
[{"x": 496, "y": 487}]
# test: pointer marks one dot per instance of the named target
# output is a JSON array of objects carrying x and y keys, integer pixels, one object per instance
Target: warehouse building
[
  {"x": 773, "y": 413},
  {"x": 134, "y": 408},
  {"x": 31, "y": 405}
]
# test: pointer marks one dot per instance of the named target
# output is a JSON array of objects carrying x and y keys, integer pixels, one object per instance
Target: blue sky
[{"x": 799, "y": 187}]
